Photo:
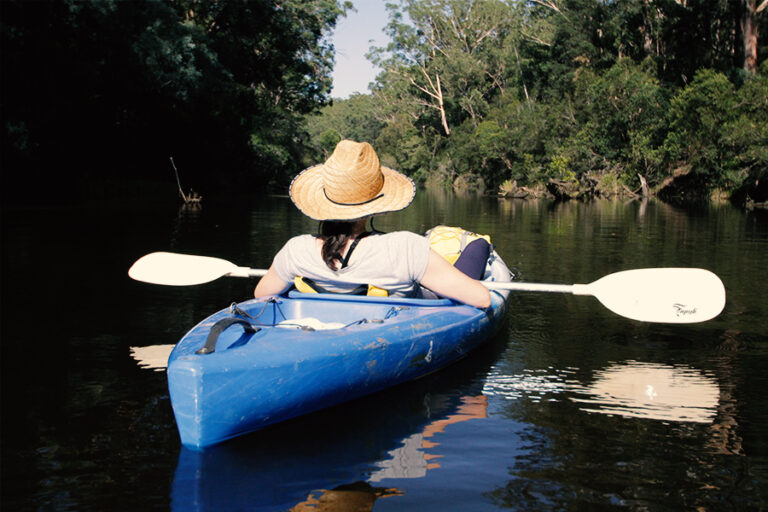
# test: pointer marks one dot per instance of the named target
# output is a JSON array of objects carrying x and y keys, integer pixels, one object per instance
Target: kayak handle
[{"x": 221, "y": 326}]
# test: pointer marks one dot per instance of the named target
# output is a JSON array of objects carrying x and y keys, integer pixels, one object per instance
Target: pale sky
[{"x": 352, "y": 37}]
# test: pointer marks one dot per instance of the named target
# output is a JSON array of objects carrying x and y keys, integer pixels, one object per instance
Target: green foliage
[
  {"x": 746, "y": 136},
  {"x": 720, "y": 130},
  {"x": 621, "y": 114},
  {"x": 559, "y": 168},
  {"x": 238, "y": 92},
  {"x": 697, "y": 116},
  {"x": 353, "y": 118},
  {"x": 580, "y": 91},
  {"x": 220, "y": 85}
]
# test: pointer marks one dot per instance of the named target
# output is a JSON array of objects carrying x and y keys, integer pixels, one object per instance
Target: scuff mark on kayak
[{"x": 378, "y": 343}]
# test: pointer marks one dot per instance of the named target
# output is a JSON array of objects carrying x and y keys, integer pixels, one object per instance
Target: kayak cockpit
[{"x": 248, "y": 321}]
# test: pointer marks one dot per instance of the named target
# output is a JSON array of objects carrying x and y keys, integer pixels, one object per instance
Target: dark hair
[{"x": 335, "y": 234}]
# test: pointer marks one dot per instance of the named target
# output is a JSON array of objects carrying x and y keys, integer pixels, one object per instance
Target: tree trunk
[
  {"x": 647, "y": 28},
  {"x": 749, "y": 32},
  {"x": 442, "y": 107},
  {"x": 644, "y": 185}
]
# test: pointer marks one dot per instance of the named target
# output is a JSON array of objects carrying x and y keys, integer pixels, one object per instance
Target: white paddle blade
[
  {"x": 665, "y": 295},
  {"x": 179, "y": 269}
]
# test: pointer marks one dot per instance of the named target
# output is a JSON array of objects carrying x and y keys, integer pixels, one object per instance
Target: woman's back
[{"x": 395, "y": 262}]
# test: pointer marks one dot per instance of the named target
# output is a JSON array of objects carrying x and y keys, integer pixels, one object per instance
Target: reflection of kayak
[
  {"x": 281, "y": 467},
  {"x": 268, "y": 369}
]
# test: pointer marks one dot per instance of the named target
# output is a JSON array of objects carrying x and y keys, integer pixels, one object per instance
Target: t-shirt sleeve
[{"x": 284, "y": 262}]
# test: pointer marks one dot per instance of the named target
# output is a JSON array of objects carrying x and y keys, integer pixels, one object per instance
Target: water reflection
[
  {"x": 299, "y": 465},
  {"x": 407, "y": 461},
  {"x": 535, "y": 385},
  {"x": 630, "y": 389},
  {"x": 654, "y": 391},
  {"x": 410, "y": 460},
  {"x": 339, "y": 458},
  {"x": 153, "y": 357},
  {"x": 83, "y": 424},
  {"x": 356, "y": 497}
]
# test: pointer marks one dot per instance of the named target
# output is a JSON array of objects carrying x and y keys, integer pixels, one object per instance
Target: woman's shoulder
[
  {"x": 399, "y": 235},
  {"x": 301, "y": 239},
  {"x": 397, "y": 240},
  {"x": 299, "y": 244}
]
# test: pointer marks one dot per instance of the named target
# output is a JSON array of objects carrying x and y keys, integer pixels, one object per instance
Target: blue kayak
[{"x": 264, "y": 361}]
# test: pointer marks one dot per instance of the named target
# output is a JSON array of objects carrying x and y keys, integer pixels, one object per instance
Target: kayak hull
[{"x": 256, "y": 379}]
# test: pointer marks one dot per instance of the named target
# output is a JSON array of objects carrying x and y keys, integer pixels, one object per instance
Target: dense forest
[
  {"x": 107, "y": 91},
  {"x": 571, "y": 97}
]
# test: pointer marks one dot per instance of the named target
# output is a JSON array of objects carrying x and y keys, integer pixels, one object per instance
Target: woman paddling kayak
[{"x": 344, "y": 192}]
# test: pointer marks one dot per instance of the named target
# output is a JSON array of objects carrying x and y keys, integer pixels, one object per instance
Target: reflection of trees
[
  {"x": 595, "y": 460},
  {"x": 725, "y": 437},
  {"x": 639, "y": 457}
]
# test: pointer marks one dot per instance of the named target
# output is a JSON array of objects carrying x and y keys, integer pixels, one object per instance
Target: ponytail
[{"x": 335, "y": 235}]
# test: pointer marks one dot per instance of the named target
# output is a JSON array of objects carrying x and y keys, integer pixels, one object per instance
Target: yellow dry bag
[{"x": 449, "y": 241}]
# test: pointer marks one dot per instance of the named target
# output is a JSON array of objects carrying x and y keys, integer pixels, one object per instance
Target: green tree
[
  {"x": 353, "y": 118},
  {"x": 570, "y": 89},
  {"x": 621, "y": 118},
  {"x": 444, "y": 56},
  {"x": 746, "y": 135},
  {"x": 117, "y": 86},
  {"x": 697, "y": 116}
]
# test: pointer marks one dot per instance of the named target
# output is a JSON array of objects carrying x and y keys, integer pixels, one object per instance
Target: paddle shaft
[
  {"x": 535, "y": 287},
  {"x": 247, "y": 272},
  {"x": 519, "y": 287},
  {"x": 675, "y": 295}
]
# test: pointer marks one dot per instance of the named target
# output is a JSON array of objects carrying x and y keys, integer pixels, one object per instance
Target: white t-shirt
[{"x": 395, "y": 262}]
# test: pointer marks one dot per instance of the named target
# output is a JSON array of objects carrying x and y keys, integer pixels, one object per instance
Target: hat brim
[{"x": 307, "y": 194}]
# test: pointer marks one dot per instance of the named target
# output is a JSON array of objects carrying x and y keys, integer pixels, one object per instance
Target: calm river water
[{"x": 570, "y": 407}]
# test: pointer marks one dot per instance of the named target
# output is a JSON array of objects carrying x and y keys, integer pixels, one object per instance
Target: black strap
[
  {"x": 360, "y": 290},
  {"x": 221, "y": 326},
  {"x": 345, "y": 261},
  {"x": 352, "y": 204}
]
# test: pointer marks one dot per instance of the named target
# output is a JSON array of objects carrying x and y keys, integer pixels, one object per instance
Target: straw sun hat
[{"x": 350, "y": 185}]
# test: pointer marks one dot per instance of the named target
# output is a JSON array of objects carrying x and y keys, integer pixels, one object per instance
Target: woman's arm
[
  {"x": 446, "y": 280},
  {"x": 270, "y": 284}
]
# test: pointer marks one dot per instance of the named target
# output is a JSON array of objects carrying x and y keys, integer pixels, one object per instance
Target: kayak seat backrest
[{"x": 307, "y": 285}]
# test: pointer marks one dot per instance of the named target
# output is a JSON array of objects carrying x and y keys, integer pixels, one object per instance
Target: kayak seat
[{"x": 307, "y": 285}]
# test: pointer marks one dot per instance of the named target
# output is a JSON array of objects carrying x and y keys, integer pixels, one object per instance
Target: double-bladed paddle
[{"x": 666, "y": 295}]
